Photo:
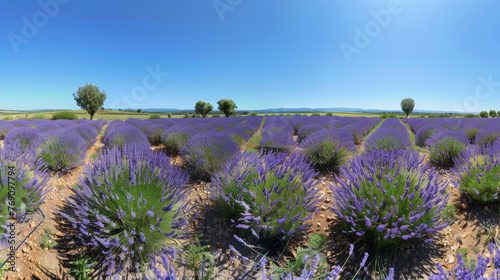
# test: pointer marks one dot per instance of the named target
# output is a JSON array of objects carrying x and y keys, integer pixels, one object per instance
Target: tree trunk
[{"x": 91, "y": 116}]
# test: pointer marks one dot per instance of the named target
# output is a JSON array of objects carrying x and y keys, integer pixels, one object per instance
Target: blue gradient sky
[{"x": 262, "y": 54}]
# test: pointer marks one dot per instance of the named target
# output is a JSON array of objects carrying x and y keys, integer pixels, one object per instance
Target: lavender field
[{"x": 274, "y": 197}]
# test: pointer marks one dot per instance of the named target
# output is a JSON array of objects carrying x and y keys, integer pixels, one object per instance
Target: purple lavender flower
[
  {"x": 307, "y": 130},
  {"x": 18, "y": 171},
  {"x": 243, "y": 189},
  {"x": 119, "y": 134},
  {"x": 167, "y": 269},
  {"x": 447, "y": 147},
  {"x": 277, "y": 135},
  {"x": 176, "y": 136},
  {"x": 277, "y": 141},
  {"x": 24, "y": 140},
  {"x": 5, "y": 127},
  {"x": 487, "y": 136},
  {"x": 391, "y": 135},
  {"x": 61, "y": 150},
  {"x": 463, "y": 271},
  {"x": 328, "y": 149},
  {"x": 207, "y": 153},
  {"x": 87, "y": 132},
  {"x": 425, "y": 132},
  {"x": 378, "y": 185},
  {"x": 477, "y": 175},
  {"x": 100, "y": 198}
]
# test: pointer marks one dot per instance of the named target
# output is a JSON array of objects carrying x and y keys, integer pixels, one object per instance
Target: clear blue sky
[{"x": 262, "y": 54}]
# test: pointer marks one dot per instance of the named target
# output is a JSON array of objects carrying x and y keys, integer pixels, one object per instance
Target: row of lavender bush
[
  {"x": 391, "y": 135},
  {"x": 278, "y": 131},
  {"x": 31, "y": 149},
  {"x": 57, "y": 145},
  {"x": 482, "y": 132}
]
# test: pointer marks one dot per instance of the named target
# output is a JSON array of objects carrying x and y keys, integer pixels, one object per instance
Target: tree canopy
[
  {"x": 407, "y": 105},
  {"x": 227, "y": 106},
  {"x": 203, "y": 108},
  {"x": 90, "y": 98}
]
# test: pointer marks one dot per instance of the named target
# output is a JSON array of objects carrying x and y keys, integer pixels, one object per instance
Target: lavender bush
[
  {"x": 311, "y": 269},
  {"x": 387, "y": 197},
  {"x": 124, "y": 134},
  {"x": 22, "y": 123},
  {"x": 115, "y": 124},
  {"x": 29, "y": 184},
  {"x": 277, "y": 141},
  {"x": 308, "y": 129},
  {"x": 416, "y": 124},
  {"x": 357, "y": 131},
  {"x": 24, "y": 140},
  {"x": 487, "y": 136},
  {"x": 478, "y": 176},
  {"x": 97, "y": 125},
  {"x": 446, "y": 146},
  {"x": 165, "y": 269},
  {"x": 271, "y": 197},
  {"x": 425, "y": 132},
  {"x": 62, "y": 150},
  {"x": 87, "y": 132},
  {"x": 47, "y": 127},
  {"x": 4, "y": 128},
  {"x": 126, "y": 206},
  {"x": 472, "y": 270},
  {"x": 328, "y": 149},
  {"x": 206, "y": 153},
  {"x": 142, "y": 125},
  {"x": 472, "y": 130},
  {"x": 175, "y": 137},
  {"x": 391, "y": 135},
  {"x": 64, "y": 123},
  {"x": 239, "y": 134},
  {"x": 154, "y": 133}
]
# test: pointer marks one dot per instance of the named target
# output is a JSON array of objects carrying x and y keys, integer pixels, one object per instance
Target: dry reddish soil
[{"x": 411, "y": 260}]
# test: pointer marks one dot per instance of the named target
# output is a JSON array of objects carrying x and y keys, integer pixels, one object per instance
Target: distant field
[
  {"x": 108, "y": 115},
  {"x": 122, "y": 115}
]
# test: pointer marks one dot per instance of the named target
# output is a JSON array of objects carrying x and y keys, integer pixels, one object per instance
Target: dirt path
[{"x": 32, "y": 261}]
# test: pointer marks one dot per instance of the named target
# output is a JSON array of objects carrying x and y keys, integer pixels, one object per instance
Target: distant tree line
[{"x": 491, "y": 113}]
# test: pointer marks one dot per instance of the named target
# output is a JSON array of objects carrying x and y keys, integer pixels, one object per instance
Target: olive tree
[
  {"x": 90, "y": 98},
  {"x": 227, "y": 106},
  {"x": 407, "y": 105},
  {"x": 493, "y": 113},
  {"x": 203, "y": 108},
  {"x": 483, "y": 114}
]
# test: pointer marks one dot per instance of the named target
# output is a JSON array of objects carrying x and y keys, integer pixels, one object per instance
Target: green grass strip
[
  {"x": 373, "y": 130},
  {"x": 412, "y": 137},
  {"x": 256, "y": 138}
]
